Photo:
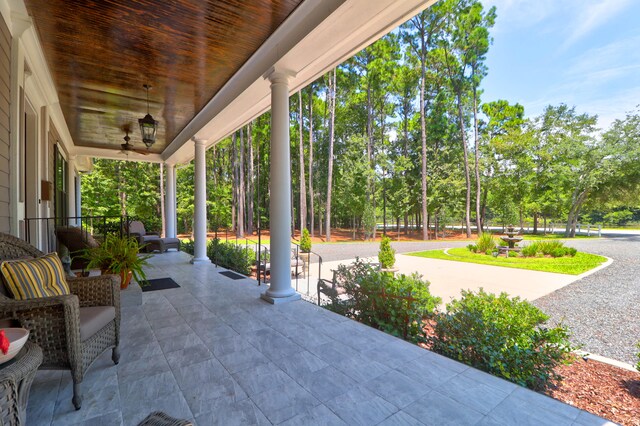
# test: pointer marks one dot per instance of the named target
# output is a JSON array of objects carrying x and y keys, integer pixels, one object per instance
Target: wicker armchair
[{"x": 63, "y": 326}]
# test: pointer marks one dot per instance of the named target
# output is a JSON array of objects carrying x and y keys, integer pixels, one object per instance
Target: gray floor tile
[
  {"x": 231, "y": 413},
  {"x": 518, "y": 410},
  {"x": 242, "y": 359},
  {"x": 134, "y": 411},
  {"x": 326, "y": 383},
  {"x": 171, "y": 331},
  {"x": 202, "y": 372},
  {"x": 261, "y": 378},
  {"x": 316, "y": 416},
  {"x": 201, "y": 398},
  {"x": 424, "y": 370},
  {"x": 480, "y": 397},
  {"x": 438, "y": 409},
  {"x": 284, "y": 402},
  {"x": 110, "y": 419},
  {"x": 490, "y": 380},
  {"x": 180, "y": 342},
  {"x": 545, "y": 403},
  {"x": 397, "y": 388},
  {"x": 588, "y": 419},
  {"x": 189, "y": 355},
  {"x": 140, "y": 368},
  {"x": 150, "y": 387},
  {"x": 401, "y": 419},
  {"x": 360, "y": 406},
  {"x": 360, "y": 369},
  {"x": 98, "y": 402},
  {"x": 228, "y": 345}
]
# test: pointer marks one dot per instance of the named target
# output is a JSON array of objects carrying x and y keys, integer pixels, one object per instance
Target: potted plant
[
  {"x": 387, "y": 255},
  {"x": 118, "y": 255},
  {"x": 305, "y": 245}
]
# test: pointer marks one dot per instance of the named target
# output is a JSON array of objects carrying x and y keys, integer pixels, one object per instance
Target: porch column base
[
  {"x": 199, "y": 260},
  {"x": 278, "y": 300}
]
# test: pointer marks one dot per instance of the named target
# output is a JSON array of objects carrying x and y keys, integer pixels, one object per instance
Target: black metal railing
[
  {"x": 304, "y": 269},
  {"x": 40, "y": 231}
]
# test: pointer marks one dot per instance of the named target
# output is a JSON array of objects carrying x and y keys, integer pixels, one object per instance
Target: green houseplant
[{"x": 118, "y": 255}]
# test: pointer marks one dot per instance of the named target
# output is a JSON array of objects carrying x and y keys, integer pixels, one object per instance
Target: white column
[
  {"x": 170, "y": 201},
  {"x": 280, "y": 289},
  {"x": 71, "y": 188},
  {"x": 200, "y": 204}
]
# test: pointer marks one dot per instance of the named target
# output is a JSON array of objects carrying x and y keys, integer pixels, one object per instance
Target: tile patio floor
[{"x": 213, "y": 352}]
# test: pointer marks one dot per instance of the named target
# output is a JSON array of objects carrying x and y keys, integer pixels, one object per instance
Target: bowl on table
[{"x": 17, "y": 338}]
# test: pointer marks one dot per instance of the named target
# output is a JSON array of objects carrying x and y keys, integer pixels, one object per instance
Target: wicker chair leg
[
  {"x": 115, "y": 355},
  {"x": 77, "y": 398}
]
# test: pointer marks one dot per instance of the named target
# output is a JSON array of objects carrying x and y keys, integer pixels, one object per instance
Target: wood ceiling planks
[{"x": 100, "y": 54}]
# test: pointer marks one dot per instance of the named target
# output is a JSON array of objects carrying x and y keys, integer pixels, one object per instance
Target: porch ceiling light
[{"x": 148, "y": 126}]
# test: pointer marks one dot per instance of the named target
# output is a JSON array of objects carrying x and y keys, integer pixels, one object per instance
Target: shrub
[
  {"x": 503, "y": 336},
  {"x": 386, "y": 255},
  {"x": 486, "y": 243},
  {"x": 513, "y": 253},
  {"x": 231, "y": 256},
  {"x": 396, "y": 305},
  {"x": 472, "y": 248},
  {"x": 305, "y": 241},
  {"x": 638, "y": 355},
  {"x": 529, "y": 250},
  {"x": 548, "y": 248},
  {"x": 187, "y": 246}
]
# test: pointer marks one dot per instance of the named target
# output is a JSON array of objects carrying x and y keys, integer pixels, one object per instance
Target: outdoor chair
[
  {"x": 151, "y": 241},
  {"x": 72, "y": 329},
  {"x": 76, "y": 240}
]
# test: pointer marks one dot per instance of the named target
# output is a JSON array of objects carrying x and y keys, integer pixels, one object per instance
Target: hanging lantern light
[{"x": 148, "y": 126}]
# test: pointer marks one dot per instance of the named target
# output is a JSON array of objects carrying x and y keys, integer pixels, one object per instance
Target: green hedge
[
  {"x": 231, "y": 256},
  {"x": 503, "y": 336},
  {"x": 226, "y": 254},
  {"x": 395, "y": 305}
]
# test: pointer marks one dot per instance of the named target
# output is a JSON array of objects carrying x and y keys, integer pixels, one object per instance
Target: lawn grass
[{"x": 581, "y": 262}]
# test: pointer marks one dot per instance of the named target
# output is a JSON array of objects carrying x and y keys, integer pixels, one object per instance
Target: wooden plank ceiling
[{"x": 101, "y": 52}]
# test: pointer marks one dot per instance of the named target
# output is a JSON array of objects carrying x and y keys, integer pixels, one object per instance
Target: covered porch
[{"x": 212, "y": 351}]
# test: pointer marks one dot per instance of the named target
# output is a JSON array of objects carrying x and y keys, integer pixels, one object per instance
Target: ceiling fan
[{"x": 127, "y": 147}]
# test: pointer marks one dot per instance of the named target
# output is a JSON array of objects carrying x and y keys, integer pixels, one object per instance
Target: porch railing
[{"x": 40, "y": 232}]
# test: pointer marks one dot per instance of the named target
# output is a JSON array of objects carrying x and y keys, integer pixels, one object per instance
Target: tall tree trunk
[
  {"x": 162, "y": 212},
  {"x": 332, "y": 113},
  {"x": 465, "y": 152},
  {"x": 476, "y": 147},
  {"x": 241, "y": 196},
  {"x": 370, "y": 149},
  {"x": 423, "y": 133},
  {"x": 234, "y": 182},
  {"x": 311, "y": 211},
  {"x": 250, "y": 180},
  {"x": 302, "y": 183}
]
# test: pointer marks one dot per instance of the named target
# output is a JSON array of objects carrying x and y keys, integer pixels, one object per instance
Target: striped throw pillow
[{"x": 33, "y": 278}]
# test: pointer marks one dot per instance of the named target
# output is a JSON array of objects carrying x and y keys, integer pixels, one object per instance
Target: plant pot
[
  {"x": 304, "y": 255},
  {"x": 125, "y": 279}
]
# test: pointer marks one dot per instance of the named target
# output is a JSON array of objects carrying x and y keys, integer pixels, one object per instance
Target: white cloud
[{"x": 590, "y": 16}]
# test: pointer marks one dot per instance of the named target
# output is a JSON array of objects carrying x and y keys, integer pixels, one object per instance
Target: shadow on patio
[{"x": 213, "y": 352}]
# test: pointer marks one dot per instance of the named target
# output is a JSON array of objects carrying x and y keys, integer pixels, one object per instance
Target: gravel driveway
[{"x": 602, "y": 310}]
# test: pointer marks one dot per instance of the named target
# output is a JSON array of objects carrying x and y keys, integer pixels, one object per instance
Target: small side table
[{"x": 16, "y": 377}]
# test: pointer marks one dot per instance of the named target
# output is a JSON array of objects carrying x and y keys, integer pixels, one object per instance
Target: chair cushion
[
  {"x": 136, "y": 227},
  {"x": 75, "y": 239},
  {"x": 94, "y": 318},
  {"x": 33, "y": 278}
]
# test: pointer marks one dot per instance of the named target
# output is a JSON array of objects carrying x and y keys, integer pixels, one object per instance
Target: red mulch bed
[{"x": 602, "y": 389}]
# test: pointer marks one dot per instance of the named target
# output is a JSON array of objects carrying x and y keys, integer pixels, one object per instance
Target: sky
[{"x": 584, "y": 53}]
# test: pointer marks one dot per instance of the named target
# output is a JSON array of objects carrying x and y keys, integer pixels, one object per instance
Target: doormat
[
  {"x": 232, "y": 275},
  {"x": 159, "y": 284}
]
